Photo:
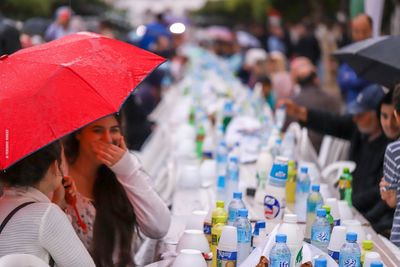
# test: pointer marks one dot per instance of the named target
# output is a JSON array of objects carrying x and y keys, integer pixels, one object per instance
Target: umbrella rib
[{"x": 91, "y": 87}]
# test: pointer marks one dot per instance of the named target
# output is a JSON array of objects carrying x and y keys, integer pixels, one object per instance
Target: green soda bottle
[{"x": 329, "y": 216}]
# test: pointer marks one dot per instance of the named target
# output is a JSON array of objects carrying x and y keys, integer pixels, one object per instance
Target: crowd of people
[{"x": 114, "y": 197}]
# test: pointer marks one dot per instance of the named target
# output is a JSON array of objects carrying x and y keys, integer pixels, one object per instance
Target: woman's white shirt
[{"x": 40, "y": 229}]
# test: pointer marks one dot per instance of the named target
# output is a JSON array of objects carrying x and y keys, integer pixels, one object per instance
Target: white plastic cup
[
  {"x": 356, "y": 227},
  {"x": 193, "y": 239},
  {"x": 189, "y": 257},
  {"x": 345, "y": 211},
  {"x": 370, "y": 257},
  {"x": 333, "y": 203},
  {"x": 196, "y": 220},
  {"x": 338, "y": 238},
  {"x": 190, "y": 177}
]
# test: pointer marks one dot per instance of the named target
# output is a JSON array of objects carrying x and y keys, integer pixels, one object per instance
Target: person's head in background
[
  {"x": 387, "y": 118},
  {"x": 63, "y": 16},
  {"x": 361, "y": 27},
  {"x": 396, "y": 103},
  {"x": 303, "y": 72},
  {"x": 266, "y": 85},
  {"x": 364, "y": 110},
  {"x": 276, "y": 62},
  {"x": 42, "y": 170}
]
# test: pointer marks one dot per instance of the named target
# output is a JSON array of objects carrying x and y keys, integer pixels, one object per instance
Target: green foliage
[{"x": 21, "y": 9}]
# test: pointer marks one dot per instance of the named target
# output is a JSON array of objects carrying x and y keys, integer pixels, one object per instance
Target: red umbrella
[{"x": 53, "y": 89}]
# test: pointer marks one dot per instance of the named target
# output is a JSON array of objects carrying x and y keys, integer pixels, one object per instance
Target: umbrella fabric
[
  {"x": 53, "y": 89},
  {"x": 377, "y": 60}
]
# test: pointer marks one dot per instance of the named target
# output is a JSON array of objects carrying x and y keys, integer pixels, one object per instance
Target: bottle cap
[
  {"x": 321, "y": 212},
  {"x": 320, "y": 262},
  {"x": 234, "y": 159},
  {"x": 237, "y": 195},
  {"x": 327, "y": 208},
  {"x": 367, "y": 244},
  {"x": 304, "y": 170},
  {"x": 346, "y": 170},
  {"x": 376, "y": 264},
  {"x": 280, "y": 238},
  {"x": 351, "y": 237},
  {"x": 290, "y": 218},
  {"x": 315, "y": 187},
  {"x": 220, "y": 204},
  {"x": 243, "y": 213}
]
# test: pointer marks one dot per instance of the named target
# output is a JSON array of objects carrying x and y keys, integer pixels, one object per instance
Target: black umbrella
[
  {"x": 36, "y": 25},
  {"x": 376, "y": 60}
]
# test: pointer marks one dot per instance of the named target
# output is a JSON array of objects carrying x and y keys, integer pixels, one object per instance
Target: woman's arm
[
  {"x": 152, "y": 213},
  {"x": 57, "y": 236}
]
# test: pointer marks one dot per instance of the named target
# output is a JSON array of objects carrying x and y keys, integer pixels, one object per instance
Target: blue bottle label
[
  {"x": 232, "y": 214},
  {"x": 320, "y": 235},
  {"x": 350, "y": 261},
  {"x": 272, "y": 207},
  {"x": 278, "y": 174},
  {"x": 280, "y": 263},
  {"x": 244, "y": 235},
  {"x": 334, "y": 255},
  {"x": 226, "y": 258},
  {"x": 207, "y": 229},
  {"x": 336, "y": 222}
]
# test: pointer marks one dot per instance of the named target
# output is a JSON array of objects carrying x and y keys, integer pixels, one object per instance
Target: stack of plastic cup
[
  {"x": 338, "y": 238},
  {"x": 371, "y": 257}
]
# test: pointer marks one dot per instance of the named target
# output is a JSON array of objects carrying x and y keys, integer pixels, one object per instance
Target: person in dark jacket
[
  {"x": 9, "y": 37},
  {"x": 368, "y": 143}
]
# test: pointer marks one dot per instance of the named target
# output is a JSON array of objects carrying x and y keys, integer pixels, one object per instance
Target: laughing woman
[{"x": 114, "y": 196}]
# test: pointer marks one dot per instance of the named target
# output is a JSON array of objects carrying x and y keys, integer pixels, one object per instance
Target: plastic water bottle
[
  {"x": 288, "y": 146},
  {"x": 264, "y": 166},
  {"x": 221, "y": 188},
  {"x": 329, "y": 216},
  {"x": 314, "y": 201},
  {"x": 274, "y": 200},
  {"x": 234, "y": 206},
  {"x": 321, "y": 231},
  {"x": 227, "y": 114},
  {"x": 243, "y": 226},
  {"x": 276, "y": 149},
  {"x": 259, "y": 233},
  {"x": 320, "y": 262},
  {"x": 222, "y": 157},
  {"x": 233, "y": 175},
  {"x": 366, "y": 246},
  {"x": 291, "y": 182},
  {"x": 350, "y": 254},
  {"x": 280, "y": 116},
  {"x": 280, "y": 253},
  {"x": 302, "y": 191}
]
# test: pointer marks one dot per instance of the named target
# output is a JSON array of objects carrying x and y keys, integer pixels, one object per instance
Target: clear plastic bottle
[
  {"x": 233, "y": 175},
  {"x": 280, "y": 117},
  {"x": 234, "y": 206},
  {"x": 320, "y": 262},
  {"x": 276, "y": 149},
  {"x": 291, "y": 182},
  {"x": 329, "y": 216},
  {"x": 350, "y": 254},
  {"x": 222, "y": 158},
  {"x": 280, "y": 253},
  {"x": 219, "y": 211},
  {"x": 244, "y": 234},
  {"x": 227, "y": 114},
  {"x": 366, "y": 246},
  {"x": 321, "y": 231},
  {"x": 314, "y": 201},
  {"x": 264, "y": 165},
  {"x": 302, "y": 191}
]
